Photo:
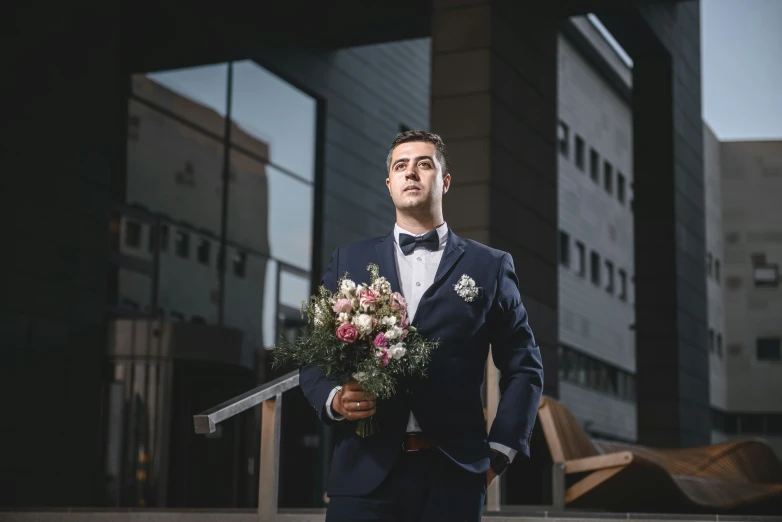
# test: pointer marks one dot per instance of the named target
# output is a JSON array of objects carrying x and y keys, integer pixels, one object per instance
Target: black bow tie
[{"x": 408, "y": 243}]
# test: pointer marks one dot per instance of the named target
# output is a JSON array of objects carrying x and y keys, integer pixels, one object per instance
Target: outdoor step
[{"x": 303, "y": 515}]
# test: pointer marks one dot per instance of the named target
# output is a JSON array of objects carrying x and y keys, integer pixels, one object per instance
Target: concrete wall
[
  {"x": 592, "y": 320},
  {"x": 751, "y": 185},
  {"x": 671, "y": 310},
  {"x": 715, "y": 287},
  {"x": 600, "y": 413},
  {"x": 60, "y": 148}
]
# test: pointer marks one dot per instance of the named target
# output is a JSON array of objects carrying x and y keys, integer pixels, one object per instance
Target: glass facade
[
  {"x": 212, "y": 248},
  {"x": 580, "y": 368}
]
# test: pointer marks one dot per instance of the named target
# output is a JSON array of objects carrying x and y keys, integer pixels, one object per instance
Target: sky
[{"x": 741, "y": 63}]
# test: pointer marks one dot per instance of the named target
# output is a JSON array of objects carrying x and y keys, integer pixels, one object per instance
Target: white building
[
  {"x": 712, "y": 180},
  {"x": 596, "y": 300},
  {"x": 752, "y": 222}
]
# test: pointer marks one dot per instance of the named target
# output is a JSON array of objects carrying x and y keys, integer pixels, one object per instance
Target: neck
[{"x": 419, "y": 224}]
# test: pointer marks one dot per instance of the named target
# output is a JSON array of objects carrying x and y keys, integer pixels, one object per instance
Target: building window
[
  {"x": 766, "y": 276},
  {"x": 587, "y": 371},
  {"x": 581, "y": 249},
  {"x": 594, "y": 165},
  {"x": 622, "y": 285},
  {"x": 711, "y": 340},
  {"x": 719, "y": 346},
  {"x": 204, "y": 249},
  {"x": 768, "y": 349},
  {"x": 595, "y": 268},
  {"x": 620, "y": 187},
  {"x": 608, "y": 177},
  {"x": 564, "y": 248},
  {"x": 132, "y": 233},
  {"x": 580, "y": 152},
  {"x": 563, "y": 134},
  {"x": 163, "y": 238},
  {"x": 717, "y": 270},
  {"x": 182, "y": 245},
  {"x": 240, "y": 264},
  {"x": 610, "y": 276}
]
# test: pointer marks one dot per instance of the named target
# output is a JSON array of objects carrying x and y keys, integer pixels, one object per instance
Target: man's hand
[
  {"x": 353, "y": 403},
  {"x": 490, "y": 476}
]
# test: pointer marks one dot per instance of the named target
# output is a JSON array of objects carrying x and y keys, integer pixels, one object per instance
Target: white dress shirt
[{"x": 416, "y": 273}]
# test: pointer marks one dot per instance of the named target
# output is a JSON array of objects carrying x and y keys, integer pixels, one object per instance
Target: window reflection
[
  {"x": 268, "y": 109},
  {"x": 210, "y": 269}
]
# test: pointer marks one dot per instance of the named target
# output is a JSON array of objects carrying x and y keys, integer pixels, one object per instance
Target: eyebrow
[{"x": 418, "y": 158}]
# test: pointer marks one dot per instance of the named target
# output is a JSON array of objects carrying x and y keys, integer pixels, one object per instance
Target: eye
[
  {"x": 400, "y": 166},
  {"x": 425, "y": 164}
]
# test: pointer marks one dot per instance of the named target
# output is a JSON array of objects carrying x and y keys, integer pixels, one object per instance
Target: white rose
[
  {"x": 397, "y": 351},
  {"x": 393, "y": 333},
  {"x": 347, "y": 287},
  {"x": 363, "y": 323},
  {"x": 388, "y": 320},
  {"x": 344, "y": 317}
]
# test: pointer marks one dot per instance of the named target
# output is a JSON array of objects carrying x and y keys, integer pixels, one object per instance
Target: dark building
[{"x": 127, "y": 268}]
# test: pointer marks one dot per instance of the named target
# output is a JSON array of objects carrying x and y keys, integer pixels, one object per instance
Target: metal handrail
[
  {"x": 206, "y": 421},
  {"x": 269, "y": 396}
]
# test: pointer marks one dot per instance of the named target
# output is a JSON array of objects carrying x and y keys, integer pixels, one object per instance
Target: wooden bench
[{"x": 741, "y": 476}]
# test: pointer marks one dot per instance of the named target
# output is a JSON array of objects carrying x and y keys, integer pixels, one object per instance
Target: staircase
[{"x": 237, "y": 515}]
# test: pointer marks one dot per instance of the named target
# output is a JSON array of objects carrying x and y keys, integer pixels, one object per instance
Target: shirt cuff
[
  {"x": 509, "y": 452},
  {"x": 331, "y": 413}
]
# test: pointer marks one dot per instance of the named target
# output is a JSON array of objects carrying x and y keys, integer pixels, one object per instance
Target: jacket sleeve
[
  {"x": 518, "y": 358},
  {"x": 316, "y": 386}
]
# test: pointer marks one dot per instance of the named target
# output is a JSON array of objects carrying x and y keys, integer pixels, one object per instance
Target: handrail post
[
  {"x": 269, "y": 473},
  {"x": 558, "y": 486}
]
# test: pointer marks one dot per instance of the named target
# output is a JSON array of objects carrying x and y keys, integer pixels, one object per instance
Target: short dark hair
[{"x": 441, "y": 152}]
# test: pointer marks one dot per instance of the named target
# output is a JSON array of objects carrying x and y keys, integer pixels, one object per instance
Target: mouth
[{"x": 412, "y": 189}]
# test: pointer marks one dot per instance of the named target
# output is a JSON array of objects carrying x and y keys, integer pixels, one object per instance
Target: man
[{"x": 431, "y": 459}]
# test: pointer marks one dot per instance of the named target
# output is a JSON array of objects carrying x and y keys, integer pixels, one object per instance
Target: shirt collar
[{"x": 442, "y": 232}]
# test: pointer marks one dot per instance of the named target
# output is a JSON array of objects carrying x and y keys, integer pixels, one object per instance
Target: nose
[{"x": 411, "y": 172}]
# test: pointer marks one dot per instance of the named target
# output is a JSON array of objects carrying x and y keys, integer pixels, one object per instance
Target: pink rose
[
  {"x": 342, "y": 305},
  {"x": 398, "y": 302},
  {"x": 347, "y": 333},
  {"x": 380, "y": 341},
  {"x": 383, "y": 355},
  {"x": 367, "y": 297}
]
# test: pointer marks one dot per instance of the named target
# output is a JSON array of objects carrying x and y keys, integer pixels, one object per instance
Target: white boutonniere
[{"x": 466, "y": 288}]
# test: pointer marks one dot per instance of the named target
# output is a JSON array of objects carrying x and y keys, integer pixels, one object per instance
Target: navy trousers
[{"x": 423, "y": 486}]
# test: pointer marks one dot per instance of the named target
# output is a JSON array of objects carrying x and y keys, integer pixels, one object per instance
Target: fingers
[{"x": 353, "y": 391}]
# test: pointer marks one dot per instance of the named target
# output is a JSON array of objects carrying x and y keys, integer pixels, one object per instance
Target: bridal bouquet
[{"x": 360, "y": 333}]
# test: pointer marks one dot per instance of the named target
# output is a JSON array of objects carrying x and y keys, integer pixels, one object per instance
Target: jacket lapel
[
  {"x": 453, "y": 252},
  {"x": 387, "y": 261}
]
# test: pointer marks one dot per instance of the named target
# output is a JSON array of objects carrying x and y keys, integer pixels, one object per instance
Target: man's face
[{"x": 416, "y": 179}]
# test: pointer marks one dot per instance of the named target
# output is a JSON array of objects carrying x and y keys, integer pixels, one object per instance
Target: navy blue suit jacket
[{"x": 447, "y": 403}]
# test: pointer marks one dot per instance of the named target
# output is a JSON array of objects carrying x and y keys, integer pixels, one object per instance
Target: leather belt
[{"x": 415, "y": 442}]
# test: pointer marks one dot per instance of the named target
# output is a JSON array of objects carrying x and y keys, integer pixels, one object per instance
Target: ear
[{"x": 446, "y": 183}]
